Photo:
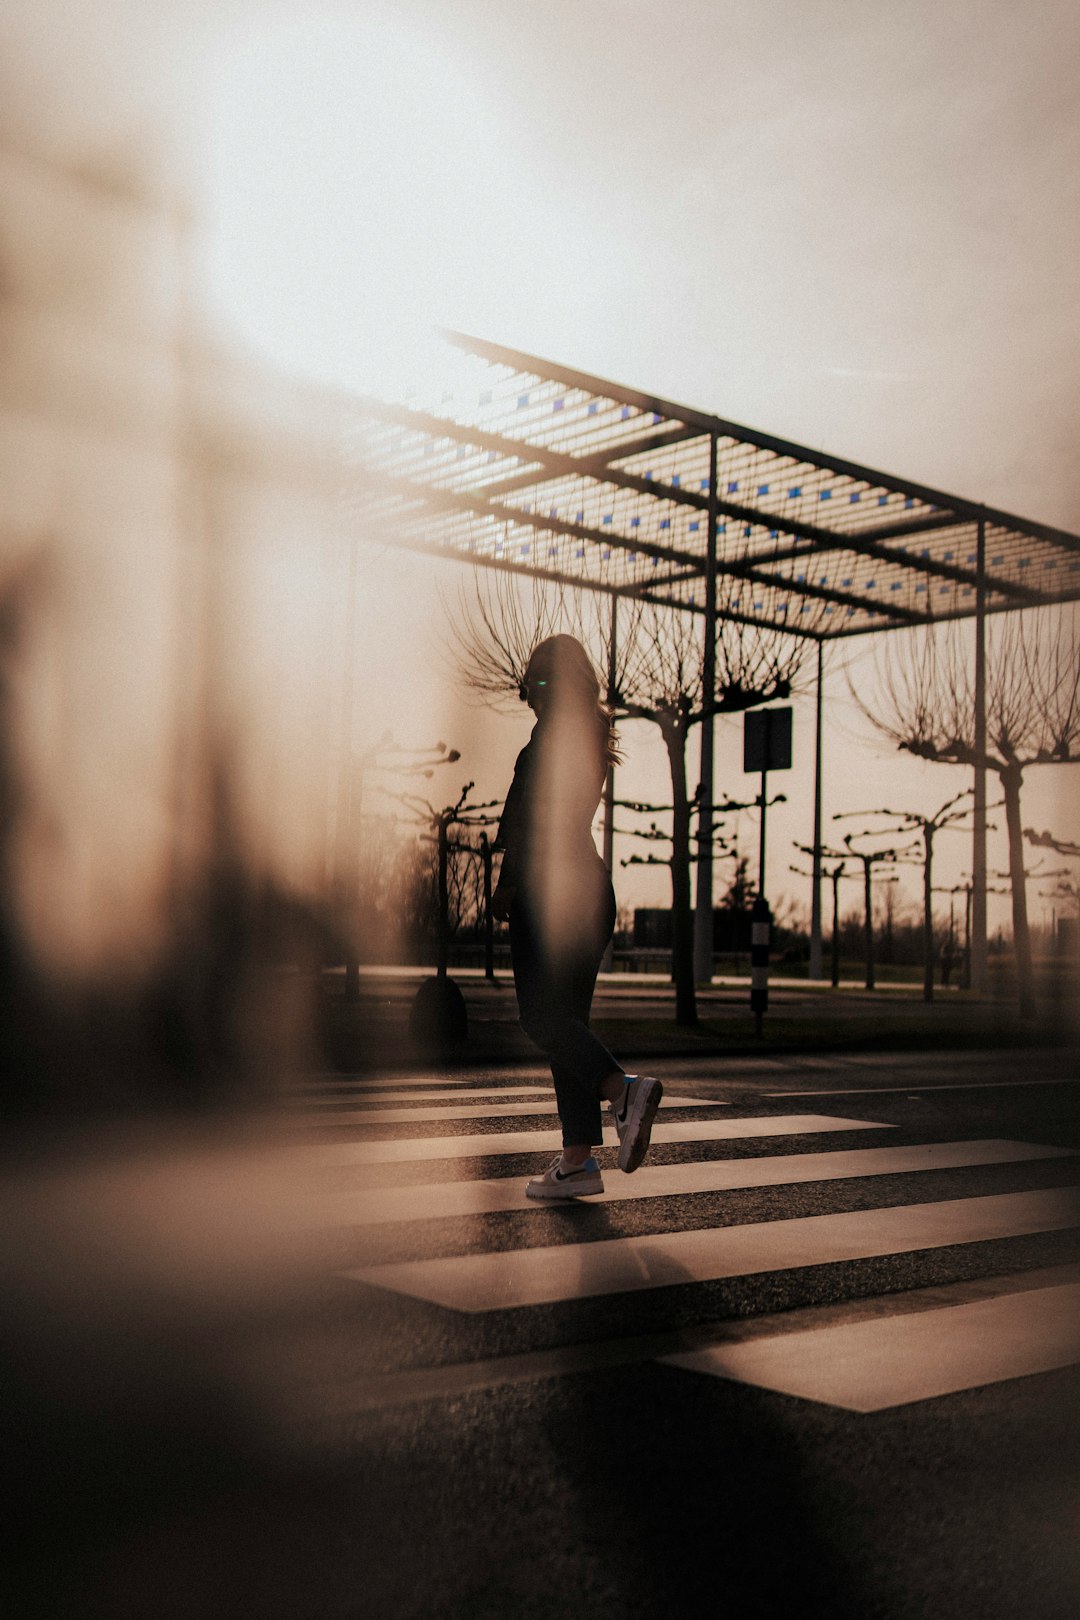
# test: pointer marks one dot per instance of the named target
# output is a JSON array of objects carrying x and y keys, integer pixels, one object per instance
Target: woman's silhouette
[{"x": 555, "y": 892}]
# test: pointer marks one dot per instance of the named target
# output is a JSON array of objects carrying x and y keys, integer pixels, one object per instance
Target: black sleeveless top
[{"x": 558, "y": 779}]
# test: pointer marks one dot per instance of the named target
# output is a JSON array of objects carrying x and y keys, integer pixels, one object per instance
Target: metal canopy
[{"x": 517, "y": 463}]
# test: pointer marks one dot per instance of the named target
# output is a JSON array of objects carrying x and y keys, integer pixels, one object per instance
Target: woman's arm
[
  {"x": 511, "y": 836},
  {"x": 502, "y": 900}
]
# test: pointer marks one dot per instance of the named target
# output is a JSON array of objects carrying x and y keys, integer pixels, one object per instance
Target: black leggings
[{"x": 555, "y": 974}]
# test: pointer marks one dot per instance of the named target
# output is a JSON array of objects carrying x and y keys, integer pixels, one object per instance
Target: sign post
[{"x": 766, "y": 747}]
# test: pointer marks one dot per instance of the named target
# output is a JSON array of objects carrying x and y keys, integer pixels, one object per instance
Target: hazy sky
[{"x": 854, "y": 224}]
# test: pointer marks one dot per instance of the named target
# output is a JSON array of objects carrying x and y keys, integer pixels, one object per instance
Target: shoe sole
[
  {"x": 641, "y": 1131},
  {"x": 563, "y": 1197}
]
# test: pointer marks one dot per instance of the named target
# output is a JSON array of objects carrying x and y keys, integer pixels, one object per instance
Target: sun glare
[{"x": 346, "y": 166}]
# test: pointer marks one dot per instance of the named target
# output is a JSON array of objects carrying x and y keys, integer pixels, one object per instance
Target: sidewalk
[{"x": 635, "y": 1016}]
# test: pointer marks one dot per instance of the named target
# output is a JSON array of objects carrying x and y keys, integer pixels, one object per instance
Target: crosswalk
[
  {"x": 404, "y": 1149},
  {"x": 444, "y": 1200},
  {"x": 869, "y": 1366},
  {"x": 672, "y": 1225},
  {"x": 543, "y": 1276},
  {"x": 420, "y": 1111}
]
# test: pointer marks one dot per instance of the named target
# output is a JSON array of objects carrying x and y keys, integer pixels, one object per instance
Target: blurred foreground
[
  {"x": 205, "y": 1416},
  {"x": 242, "y": 1380}
]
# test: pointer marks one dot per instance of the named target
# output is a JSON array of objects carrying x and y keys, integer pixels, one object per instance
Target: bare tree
[
  {"x": 869, "y": 858},
  {"x": 451, "y": 878},
  {"x": 655, "y": 834},
  {"x": 658, "y": 676},
  {"x": 904, "y": 821},
  {"x": 1067, "y": 881},
  {"x": 962, "y": 952},
  {"x": 662, "y": 681},
  {"x": 926, "y": 704},
  {"x": 720, "y": 847},
  {"x": 384, "y": 757},
  {"x": 834, "y": 877}
]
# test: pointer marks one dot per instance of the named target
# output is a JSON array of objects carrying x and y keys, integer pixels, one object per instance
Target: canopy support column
[
  {"x": 609, "y": 784},
  {"x": 703, "y": 915},
  {"x": 815, "y": 901},
  {"x": 347, "y": 838},
  {"x": 978, "y": 837}
]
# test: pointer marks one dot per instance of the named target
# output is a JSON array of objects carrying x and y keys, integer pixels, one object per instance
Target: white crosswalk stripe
[
  {"x": 405, "y": 1116},
  {"x": 891, "y": 1361},
  {"x": 339, "y": 1086},
  {"x": 398, "y": 1151},
  {"x": 443, "y": 1200},
  {"x": 891, "y": 1357},
  {"x": 914, "y": 1088},
  {"x": 546, "y": 1276},
  {"x": 450, "y": 1094}
]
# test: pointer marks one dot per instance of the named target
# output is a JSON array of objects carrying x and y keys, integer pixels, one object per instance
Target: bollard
[{"x": 760, "y": 928}]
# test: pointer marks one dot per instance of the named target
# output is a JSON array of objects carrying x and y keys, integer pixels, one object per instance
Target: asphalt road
[{"x": 818, "y": 1356}]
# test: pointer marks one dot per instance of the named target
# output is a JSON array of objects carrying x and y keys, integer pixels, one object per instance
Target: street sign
[
  {"x": 767, "y": 740},
  {"x": 766, "y": 747}
]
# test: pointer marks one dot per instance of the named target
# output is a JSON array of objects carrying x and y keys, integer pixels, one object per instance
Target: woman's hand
[{"x": 501, "y": 901}]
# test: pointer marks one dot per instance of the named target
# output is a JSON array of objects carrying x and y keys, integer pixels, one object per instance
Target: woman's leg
[
  {"x": 584, "y": 970},
  {"x": 555, "y": 982}
]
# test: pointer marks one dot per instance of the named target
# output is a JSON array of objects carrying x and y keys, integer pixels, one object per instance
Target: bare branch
[
  {"x": 1046, "y": 840},
  {"x": 925, "y": 691}
]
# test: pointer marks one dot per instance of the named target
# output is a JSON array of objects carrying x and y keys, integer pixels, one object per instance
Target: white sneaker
[
  {"x": 633, "y": 1115},
  {"x": 559, "y": 1183}
]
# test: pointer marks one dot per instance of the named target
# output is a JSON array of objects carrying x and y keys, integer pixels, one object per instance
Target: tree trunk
[
  {"x": 489, "y": 921},
  {"x": 1011, "y": 777},
  {"x": 928, "y": 917},
  {"x": 965, "y": 978},
  {"x": 869, "y": 924},
  {"x": 349, "y": 853},
  {"x": 682, "y": 917},
  {"x": 444, "y": 901}
]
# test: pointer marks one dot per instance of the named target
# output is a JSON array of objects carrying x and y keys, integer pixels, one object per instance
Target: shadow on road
[{"x": 643, "y": 1490}]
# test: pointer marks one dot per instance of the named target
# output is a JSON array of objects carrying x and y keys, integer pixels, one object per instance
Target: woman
[{"x": 555, "y": 892}]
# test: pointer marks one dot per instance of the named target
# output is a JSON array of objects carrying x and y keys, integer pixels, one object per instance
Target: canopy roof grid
[{"x": 517, "y": 463}]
